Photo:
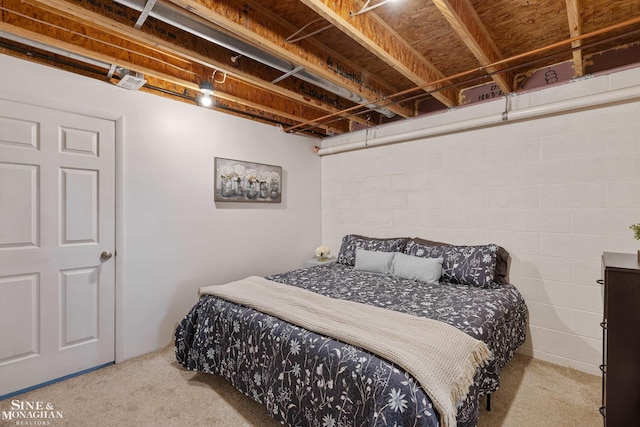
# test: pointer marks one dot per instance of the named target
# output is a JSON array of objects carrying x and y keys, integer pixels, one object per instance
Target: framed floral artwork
[{"x": 240, "y": 181}]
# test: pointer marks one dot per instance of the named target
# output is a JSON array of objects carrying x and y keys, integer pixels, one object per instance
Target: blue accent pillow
[
  {"x": 374, "y": 261},
  {"x": 410, "y": 267}
]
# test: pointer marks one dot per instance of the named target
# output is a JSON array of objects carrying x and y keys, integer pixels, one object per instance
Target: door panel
[
  {"x": 19, "y": 207},
  {"x": 57, "y": 214},
  {"x": 79, "y": 204},
  {"x": 19, "y": 133},
  {"x": 79, "y": 290},
  {"x": 79, "y": 141},
  {"x": 22, "y": 339}
]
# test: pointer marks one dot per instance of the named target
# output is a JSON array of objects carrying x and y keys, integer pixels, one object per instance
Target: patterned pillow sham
[
  {"x": 351, "y": 242},
  {"x": 501, "y": 274},
  {"x": 465, "y": 265}
]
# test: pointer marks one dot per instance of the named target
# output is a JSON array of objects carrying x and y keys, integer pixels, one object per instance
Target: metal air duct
[
  {"x": 54, "y": 50},
  {"x": 199, "y": 27}
]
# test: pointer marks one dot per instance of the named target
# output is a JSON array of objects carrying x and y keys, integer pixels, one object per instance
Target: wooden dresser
[{"x": 621, "y": 340}]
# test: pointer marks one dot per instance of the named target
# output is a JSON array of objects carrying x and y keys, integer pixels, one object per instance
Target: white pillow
[
  {"x": 374, "y": 261},
  {"x": 410, "y": 267}
]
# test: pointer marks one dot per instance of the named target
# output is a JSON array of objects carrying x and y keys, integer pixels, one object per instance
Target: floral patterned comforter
[{"x": 308, "y": 379}]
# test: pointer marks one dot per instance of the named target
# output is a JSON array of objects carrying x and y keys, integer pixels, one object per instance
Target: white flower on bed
[
  {"x": 328, "y": 421},
  {"x": 396, "y": 400},
  {"x": 296, "y": 369},
  {"x": 294, "y": 347}
]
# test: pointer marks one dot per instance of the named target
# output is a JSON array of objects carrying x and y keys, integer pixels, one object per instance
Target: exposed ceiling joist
[
  {"x": 380, "y": 39},
  {"x": 358, "y": 69},
  {"x": 466, "y": 23},
  {"x": 95, "y": 20},
  {"x": 266, "y": 31},
  {"x": 575, "y": 30},
  {"x": 181, "y": 82}
]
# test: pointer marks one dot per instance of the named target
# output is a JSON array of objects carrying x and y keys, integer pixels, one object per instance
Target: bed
[{"x": 311, "y": 378}]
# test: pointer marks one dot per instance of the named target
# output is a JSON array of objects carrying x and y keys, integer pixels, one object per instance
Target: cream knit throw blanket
[{"x": 442, "y": 358}]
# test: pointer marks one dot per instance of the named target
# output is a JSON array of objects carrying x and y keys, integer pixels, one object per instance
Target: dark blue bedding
[{"x": 307, "y": 379}]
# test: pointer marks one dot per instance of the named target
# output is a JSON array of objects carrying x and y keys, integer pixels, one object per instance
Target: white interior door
[{"x": 57, "y": 216}]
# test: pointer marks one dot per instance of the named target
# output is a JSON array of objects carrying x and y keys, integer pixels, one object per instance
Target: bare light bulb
[{"x": 205, "y": 100}]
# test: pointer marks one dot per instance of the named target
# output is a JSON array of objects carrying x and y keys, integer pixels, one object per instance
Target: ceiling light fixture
[
  {"x": 205, "y": 100},
  {"x": 206, "y": 87},
  {"x": 367, "y": 8}
]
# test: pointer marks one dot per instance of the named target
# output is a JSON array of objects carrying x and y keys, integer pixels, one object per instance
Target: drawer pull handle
[
  {"x": 602, "y": 411},
  {"x": 603, "y": 368},
  {"x": 603, "y": 325},
  {"x": 600, "y": 282}
]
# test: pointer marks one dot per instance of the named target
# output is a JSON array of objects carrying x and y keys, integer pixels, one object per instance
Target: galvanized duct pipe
[
  {"x": 199, "y": 27},
  {"x": 54, "y": 50}
]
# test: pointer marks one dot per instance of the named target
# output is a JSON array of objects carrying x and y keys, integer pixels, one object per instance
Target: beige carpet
[{"x": 153, "y": 390}]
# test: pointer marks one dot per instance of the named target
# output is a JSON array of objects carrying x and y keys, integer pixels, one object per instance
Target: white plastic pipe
[{"x": 560, "y": 107}]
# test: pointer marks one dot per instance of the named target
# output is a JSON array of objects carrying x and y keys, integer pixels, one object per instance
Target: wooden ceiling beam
[
  {"x": 236, "y": 90},
  {"x": 267, "y": 32},
  {"x": 241, "y": 111},
  {"x": 94, "y": 54},
  {"x": 380, "y": 39},
  {"x": 575, "y": 30},
  {"x": 467, "y": 24},
  {"x": 174, "y": 92},
  {"x": 336, "y": 58},
  {"x": 109, "y": 26}
]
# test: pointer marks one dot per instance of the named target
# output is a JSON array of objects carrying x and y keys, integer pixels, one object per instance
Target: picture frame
[{"x": 243, "y": 181}]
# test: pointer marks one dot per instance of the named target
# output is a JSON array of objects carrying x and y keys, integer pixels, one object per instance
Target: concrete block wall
[{"x": 556, "y": 192}]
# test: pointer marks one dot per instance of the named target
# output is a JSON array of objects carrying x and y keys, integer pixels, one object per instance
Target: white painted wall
[
  {"x": 555, "y": 192},
  {"x": 174, "y": 238}
]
